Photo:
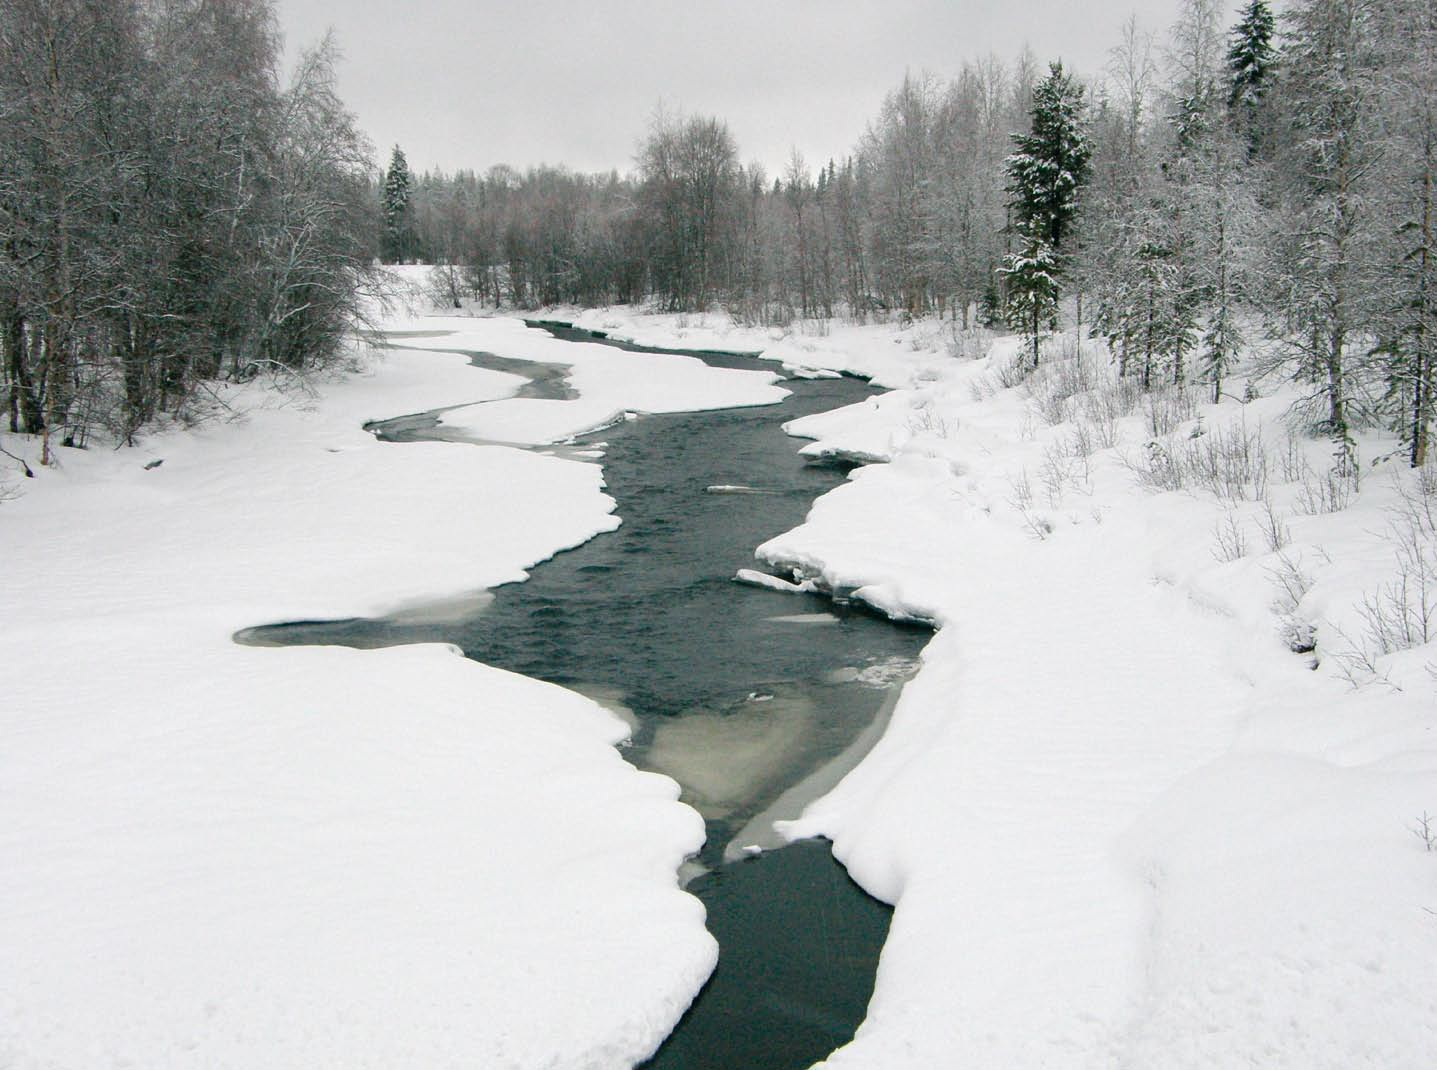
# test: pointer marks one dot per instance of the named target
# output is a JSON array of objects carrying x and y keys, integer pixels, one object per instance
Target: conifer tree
[
  {"x": 1032, "y": 277},
  {"x": 1250, "y": 59},
  {"x": 1051, "y": 161},
  {"x": 398, "y": 227},
  {"x": 1045, "y": 173}
]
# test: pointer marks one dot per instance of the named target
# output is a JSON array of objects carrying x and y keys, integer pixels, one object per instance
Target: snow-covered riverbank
[
  {"x": 213, "y": 855},
  {"x": 1122, "y": 822}
]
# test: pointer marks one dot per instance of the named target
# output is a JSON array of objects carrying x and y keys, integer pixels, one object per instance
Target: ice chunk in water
[
  {"x": 762, "y": 579},
  {"x": 444, "y": 610},
  {"x": 727, "y": 761}
]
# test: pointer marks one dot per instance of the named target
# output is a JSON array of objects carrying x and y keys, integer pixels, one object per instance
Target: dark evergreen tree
[
  {"x": 398, "y": 220},
  {"x": 1250, "y": 59},
  {"x": 1051, "y": 161},
  {"x": 1044, "y": 177},
  {"x": 1032, "y": 277}
]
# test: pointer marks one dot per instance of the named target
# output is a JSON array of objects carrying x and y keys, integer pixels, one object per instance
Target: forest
[{"x": 173, "y": 209}]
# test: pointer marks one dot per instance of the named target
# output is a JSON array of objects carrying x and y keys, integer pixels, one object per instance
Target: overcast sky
[{"x": 471, "y": 83}]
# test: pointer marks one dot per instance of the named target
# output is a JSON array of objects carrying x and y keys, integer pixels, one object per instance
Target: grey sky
[{"x": 470, "y": 83}]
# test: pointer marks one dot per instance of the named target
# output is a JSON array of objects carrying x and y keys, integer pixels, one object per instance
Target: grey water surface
[{"x": 742, "y": 694}]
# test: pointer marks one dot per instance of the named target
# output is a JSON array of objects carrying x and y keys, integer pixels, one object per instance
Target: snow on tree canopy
[{"x": 1051, "y": 162}]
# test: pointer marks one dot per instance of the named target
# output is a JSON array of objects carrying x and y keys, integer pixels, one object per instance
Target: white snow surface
[
  {"x": 1122, "y": 824},
  {"x": 220, "y": 856},
  {"x": 755, "y": 578}
]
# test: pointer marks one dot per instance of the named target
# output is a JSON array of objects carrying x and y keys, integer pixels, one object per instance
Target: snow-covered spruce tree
[
  {"x": 1229, "y": 222},
  {"x": 1045, "y": 173},
  {"x": 398, "y": 224},
  {"x": 1138, "y": 306},
  {"x": 1031, "y": 274},
  {"x": 1251, "y": 57},
  {"x": 1051, "y": 161}
]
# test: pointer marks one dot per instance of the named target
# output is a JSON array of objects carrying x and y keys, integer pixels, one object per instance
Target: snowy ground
[
  {"x": 213, "y": 855},
  {"x": 1122, "y": 822}
]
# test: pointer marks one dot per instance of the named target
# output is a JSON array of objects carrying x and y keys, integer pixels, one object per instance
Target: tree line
[
  {"x": 1273, "y": 185},
  {"x": 171, "y": 208},
  {"x": 912, "y": 220},
  {"x": 1215, "y": 189}
]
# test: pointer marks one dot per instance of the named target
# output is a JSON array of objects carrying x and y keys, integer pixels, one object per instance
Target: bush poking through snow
[
  {"x": 1012, "y": 372},
  {"x": 1169, "y": 407},
  {"x": 1154, "y": 467},
  {"x": 1231, "y": 539},
  {"x": 968, "y": 343},
  {"x": 928, "y": 419},
  {"x": 1425, "y": 829},
  {"x": 1022, "y": 502},
  {"x": 1231, "y": 463},
  {"x": 1292, "y": 585},
  {"x": 1273, "y": 528},
  {"x": 1291, "y": 462},
  {"x": 1055, "y": 383},
  {"x": 1402, "y": 613},
  {"x": 1330, "y": 492}
]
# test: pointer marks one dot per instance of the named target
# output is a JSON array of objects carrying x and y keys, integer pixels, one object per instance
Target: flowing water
[{"x": 752, "y": 699}]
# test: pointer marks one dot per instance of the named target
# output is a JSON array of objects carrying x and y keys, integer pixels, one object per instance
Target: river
[{"x": 753, "y": 700}]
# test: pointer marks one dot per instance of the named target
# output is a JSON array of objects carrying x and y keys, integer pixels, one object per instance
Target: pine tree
[
  {"x": 1250, "y": 60},
  {"x": 398, "y": 226}
]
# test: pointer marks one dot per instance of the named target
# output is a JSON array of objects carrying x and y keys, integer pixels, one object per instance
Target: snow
[
  {"x": 214, "y": 855},
  {"x": 755, "y": 578},
  {"x": 1116, "y": 814},
  {"x": 1122, "y": 824}
]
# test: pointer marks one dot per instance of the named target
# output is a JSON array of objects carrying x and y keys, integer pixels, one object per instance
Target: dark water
[{"x": 729, "y": 694}]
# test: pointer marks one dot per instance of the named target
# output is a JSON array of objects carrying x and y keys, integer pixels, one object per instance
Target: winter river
[{"x": 753, "y": 700}]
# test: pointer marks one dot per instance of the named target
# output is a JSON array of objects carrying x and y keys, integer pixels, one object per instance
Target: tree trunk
[
  {"x": 1422, "y": 357},
  {"x": 24, "y": 400}
]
